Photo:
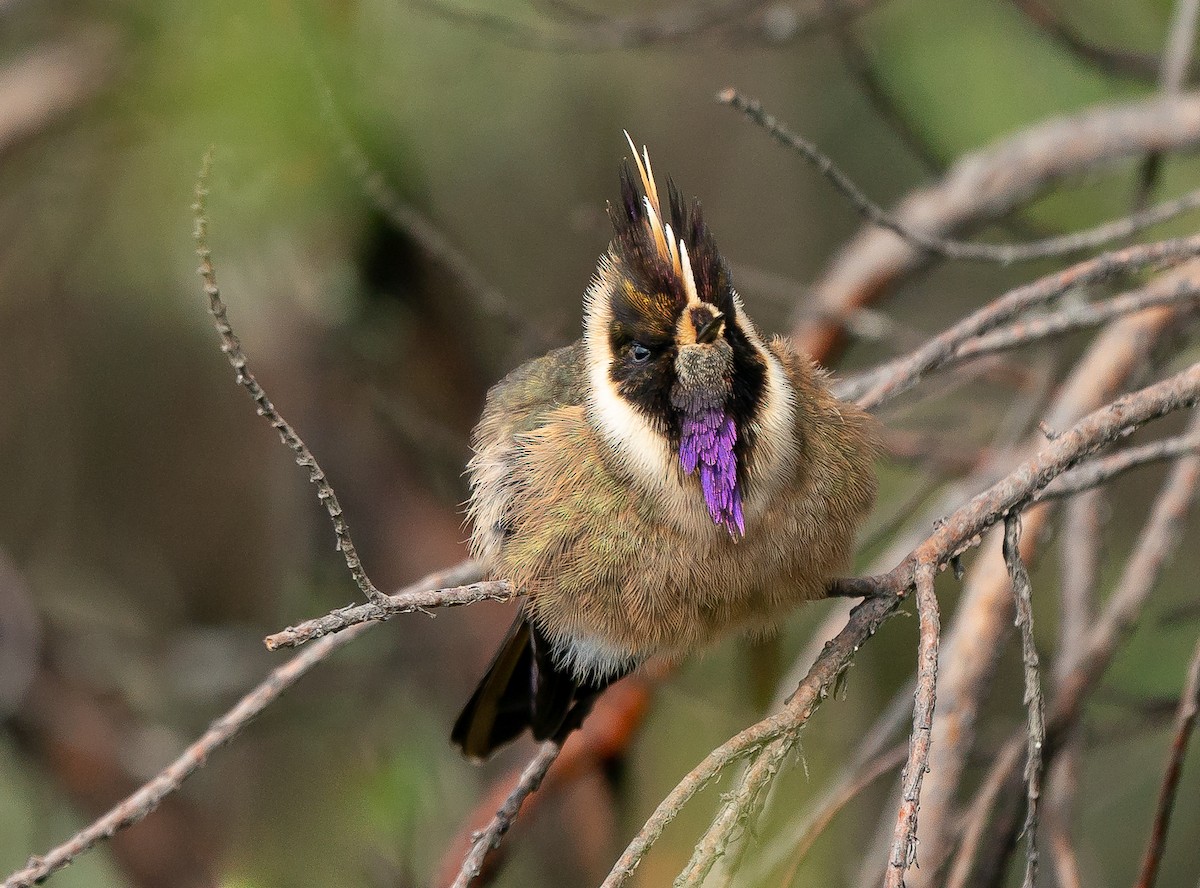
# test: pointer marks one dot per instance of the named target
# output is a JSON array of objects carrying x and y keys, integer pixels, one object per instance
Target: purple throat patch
[{"x": 706, "y": 444}]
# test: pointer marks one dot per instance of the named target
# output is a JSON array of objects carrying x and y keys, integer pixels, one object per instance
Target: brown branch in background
[
  {"x": 593, "y": 749},
  {"x": 1036, "y": 724},
  {"x": 1185, "y": 721},
  {"x": 1100, "y": 471},
  {"x": 1177, "y": 57},
  {"x": 1111, "y": 60},
  {"x": 904, "y": 843},
  {"x": 41, "y": 86},
  {"x": 148, "y": 797},
  {"x": 930, "y": 241},
  {"x": 987, "y": 185},
  {"x": 595, "y": 33},
  {"x": 858, "y": 62},
  {"x": 237, "y": 359},
  {"x": 1159, "y": 537},
  {"x": 489, "y": 837},
  {"x": 387, "y": 607},
  {"x": 842, "y": 794},
  {"x": 897, "y": 376},
  {"x": 1080, "y": 548},
  {"x": 441, "y": 251},
  {"x": 983, "y": 617},
  {"x": 1079, "y": 316}
]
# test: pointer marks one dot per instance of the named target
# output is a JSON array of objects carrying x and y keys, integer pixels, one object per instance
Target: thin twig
[
  {"x": 897, "y": 376},
  {"x": 237, "y": 359},
  {"x": 1165, "y": 291},
  {"x": 1177, "y": 58},
  {"x": 842, "y": 795},
  {"x": 984, "y": 613},
  {"x": 965, "y": 346},
  {"x": 1097, "y": 472},
  {"x": 1111, "y": 60},
  {"x": 490, "y": 836},
  {"x": 1159, "y": 537},
  {"x": 605, "y": 34},
  {"x": 864, "y": 620},
  {"x": 948, "y": 248},
  {"x": 738, "y": 807},
  {"x": 987, "y": 185},
  {"x": 904, "y": 843},
  {"x": 1080, "y": 557},
  {"x": 148, "y": 797},
  {"x": 1185, "y": 722},
  {"x": 387, "y": 607},
  {"x": 1022, "y": 593}
]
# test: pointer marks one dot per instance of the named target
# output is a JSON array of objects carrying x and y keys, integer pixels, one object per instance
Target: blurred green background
[{"x": 153, "y": 529}]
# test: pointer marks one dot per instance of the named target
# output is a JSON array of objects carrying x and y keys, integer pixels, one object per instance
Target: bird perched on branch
[{"x": 669, "y": 478}]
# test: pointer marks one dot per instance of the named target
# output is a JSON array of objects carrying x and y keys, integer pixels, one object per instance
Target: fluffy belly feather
[{"x": 611, "y": 576}]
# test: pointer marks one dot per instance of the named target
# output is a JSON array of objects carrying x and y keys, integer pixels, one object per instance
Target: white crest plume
[{"x": 669, "y": 247}]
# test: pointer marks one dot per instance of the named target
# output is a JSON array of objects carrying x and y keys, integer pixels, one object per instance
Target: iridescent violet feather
[{"x": 706, "y": 443}]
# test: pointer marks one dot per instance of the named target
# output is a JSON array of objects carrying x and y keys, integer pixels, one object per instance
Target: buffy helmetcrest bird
[{"x": 669, "y": 478}]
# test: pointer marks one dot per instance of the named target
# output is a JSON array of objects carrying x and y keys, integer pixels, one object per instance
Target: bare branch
[
  {"x": 984, "y": 614},
  {"x": 1097, "y": 472},
  {"x": 489, "y": 838},
  {"x": 591, "y": 33},
  {"x": 904, "y": 843},
  {"x": 985, "y": 185},
  {"x": 738, "y": 807},
  {"x": 947, "y": 248},
  {"x": 148, "y": 797},
  {"x": 1158, "y": 539},
  {"x": 885, "y": 382},
  {"x": 387, "y": 607},
  {"x": 1177, "y": 58},
  {"x": 841, "y": 795},
  {"x": 1167, "y": 291},
  {"x": 1022, "y": 592},
  {"x": 1112, "y": 60},
  {"x": 1185, "y": 721},
  {"x": 245, "y": 378}
]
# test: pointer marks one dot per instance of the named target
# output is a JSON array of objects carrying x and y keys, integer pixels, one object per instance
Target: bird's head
[{"x": 676, "y": 366}]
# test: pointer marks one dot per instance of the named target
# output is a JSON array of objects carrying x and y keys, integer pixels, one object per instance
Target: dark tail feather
[
  {"x": 499, "y": 710},
  {"x": 523, "y": 688}
]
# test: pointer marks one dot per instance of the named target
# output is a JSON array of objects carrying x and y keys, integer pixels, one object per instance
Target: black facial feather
[{"x": 749, "y": 383}]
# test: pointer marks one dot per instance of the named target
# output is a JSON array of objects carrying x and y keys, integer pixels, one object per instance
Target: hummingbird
[{"x": 669, "y": 479}]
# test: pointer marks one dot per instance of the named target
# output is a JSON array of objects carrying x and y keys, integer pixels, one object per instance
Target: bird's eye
[{"x": 639, "y": 353}]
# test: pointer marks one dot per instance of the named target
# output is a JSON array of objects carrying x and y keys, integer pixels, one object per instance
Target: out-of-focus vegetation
[{"x": 159, "y": 530}]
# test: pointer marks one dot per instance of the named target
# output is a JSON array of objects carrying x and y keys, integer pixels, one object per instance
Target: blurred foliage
[{"x": 162, "y": 531}]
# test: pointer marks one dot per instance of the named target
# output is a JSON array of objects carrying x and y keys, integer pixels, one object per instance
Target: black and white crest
[{"x": 667, "y": 263}]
